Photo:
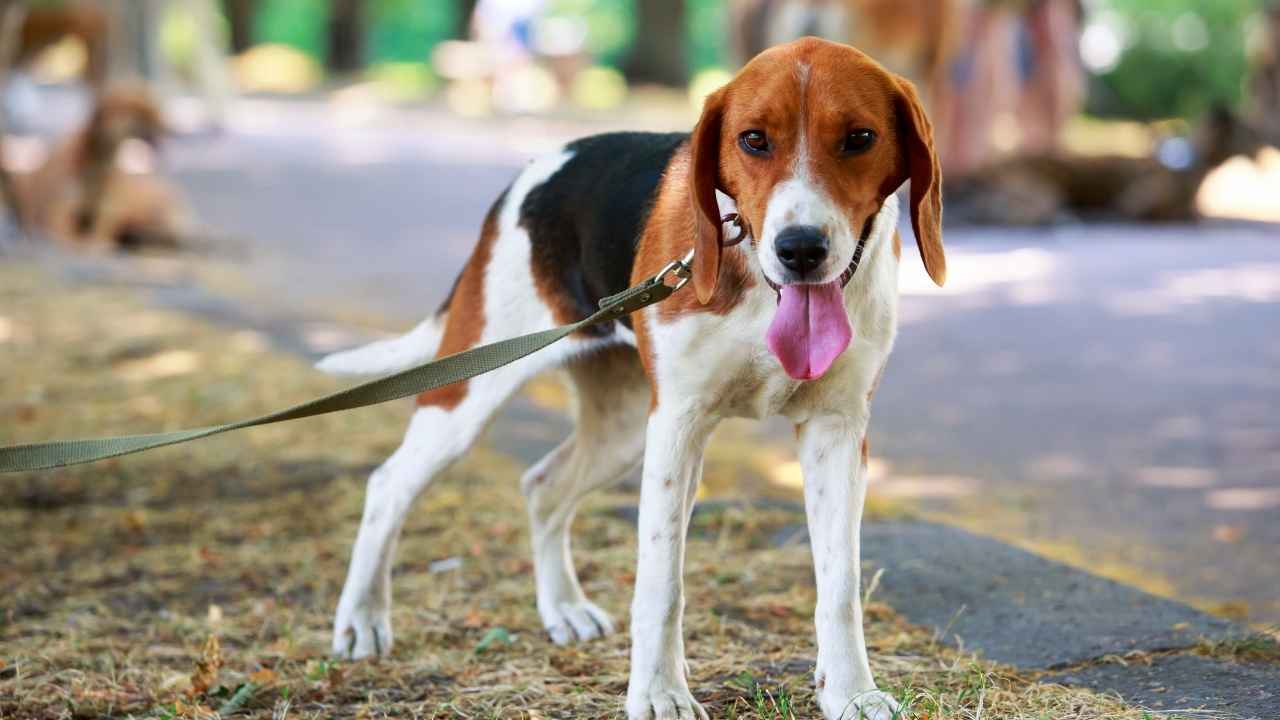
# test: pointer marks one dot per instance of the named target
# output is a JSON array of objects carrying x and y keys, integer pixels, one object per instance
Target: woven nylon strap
[{"x": 451, "y": 369}]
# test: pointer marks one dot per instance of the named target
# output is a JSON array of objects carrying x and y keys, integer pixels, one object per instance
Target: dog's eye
[
  {"x": 754, "y": 142},
  {"x": 859, "y": 141}
]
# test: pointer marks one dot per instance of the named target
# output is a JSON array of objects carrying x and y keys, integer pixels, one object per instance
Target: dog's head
[
  {"x": 809, "y": 139},
  {"x": 120, "y": 114}
]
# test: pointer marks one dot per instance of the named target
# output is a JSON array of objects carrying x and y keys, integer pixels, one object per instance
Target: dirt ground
[{"x": 200, "y": 580}]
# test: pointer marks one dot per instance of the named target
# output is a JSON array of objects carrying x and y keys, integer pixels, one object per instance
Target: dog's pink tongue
[{"x": 810, "y": 329}]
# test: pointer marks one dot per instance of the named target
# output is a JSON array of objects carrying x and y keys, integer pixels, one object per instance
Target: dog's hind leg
[
  {"x": 495, "y": 298},
  {"x": 437, "y": 436},
  {"x": 611, "y": 404}
]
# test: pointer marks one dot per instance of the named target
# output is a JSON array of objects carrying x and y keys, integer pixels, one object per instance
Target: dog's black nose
[{"x": 801, "y": 248}]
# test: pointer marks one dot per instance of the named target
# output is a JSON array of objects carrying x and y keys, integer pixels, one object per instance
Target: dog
[
  {"x": 98, "y": 189},
  {"x": 807, "y": 144}
]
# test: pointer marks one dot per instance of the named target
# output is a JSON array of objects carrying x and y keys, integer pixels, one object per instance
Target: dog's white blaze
[{"x": 800, "y": 200}]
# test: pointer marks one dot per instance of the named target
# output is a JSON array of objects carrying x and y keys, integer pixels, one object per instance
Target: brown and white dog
[
  {"x": 98, "y": 188},
  {"x": 810, "y": 141}
]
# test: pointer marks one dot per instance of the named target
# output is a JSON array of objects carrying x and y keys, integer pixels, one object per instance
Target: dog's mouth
[{"x": 811, "y": 325}]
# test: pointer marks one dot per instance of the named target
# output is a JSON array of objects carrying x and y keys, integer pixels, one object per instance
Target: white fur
[
  {"x": 706, "y": 367},
  {"x": 391, "y": 355}
]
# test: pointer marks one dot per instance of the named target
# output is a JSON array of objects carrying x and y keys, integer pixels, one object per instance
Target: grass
[{"x": 199, "y": 581}]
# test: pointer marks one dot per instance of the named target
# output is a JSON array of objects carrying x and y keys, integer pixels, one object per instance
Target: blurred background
[{"x": 1097, "y": 382}]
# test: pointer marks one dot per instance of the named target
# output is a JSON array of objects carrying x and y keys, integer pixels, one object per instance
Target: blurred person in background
[
  {"x": 174, "y": 45},
  {"x": 1015, "y": 81}
]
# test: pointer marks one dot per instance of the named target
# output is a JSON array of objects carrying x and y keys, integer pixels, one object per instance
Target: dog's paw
[
  {"x": 361, "y": 634},
  {"x": 572, "y": 622},
  {"x": 869, "y": 705},
  {"x": 664, "y": 702}
]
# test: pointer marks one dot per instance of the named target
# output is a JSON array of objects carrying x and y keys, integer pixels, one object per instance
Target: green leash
[{"x": 451, "y": 369}]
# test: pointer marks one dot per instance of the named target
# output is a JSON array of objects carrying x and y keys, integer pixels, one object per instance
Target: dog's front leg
[
  {"x": 659, "y": 688},
  {"x": 835, "y": 486}
]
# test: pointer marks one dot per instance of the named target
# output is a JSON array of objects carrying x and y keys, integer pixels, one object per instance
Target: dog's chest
[{"x": 722, "y": 362}]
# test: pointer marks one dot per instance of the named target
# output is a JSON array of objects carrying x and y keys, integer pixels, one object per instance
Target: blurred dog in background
[{"x": 99, "y": 188}]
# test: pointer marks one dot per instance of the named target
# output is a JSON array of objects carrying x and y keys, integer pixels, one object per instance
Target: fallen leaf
[
  {"x": 206, "y": 673},
  {"x": 265, "y": 676}
]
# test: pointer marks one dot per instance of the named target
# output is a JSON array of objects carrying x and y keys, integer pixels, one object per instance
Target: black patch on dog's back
[{"x": 584, "y": 222}]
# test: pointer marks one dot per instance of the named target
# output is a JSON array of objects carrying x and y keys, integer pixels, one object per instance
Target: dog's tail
[{"x": 386, "y": 356}]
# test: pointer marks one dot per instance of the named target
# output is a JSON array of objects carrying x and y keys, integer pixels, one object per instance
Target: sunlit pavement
[{"x": 1106, "y": 395}]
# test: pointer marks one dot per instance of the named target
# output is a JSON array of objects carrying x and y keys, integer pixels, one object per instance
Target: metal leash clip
[{"x": 682, "y": 269}]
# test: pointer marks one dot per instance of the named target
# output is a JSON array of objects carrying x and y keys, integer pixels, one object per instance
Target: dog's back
[{"x": 585, "y": 220}]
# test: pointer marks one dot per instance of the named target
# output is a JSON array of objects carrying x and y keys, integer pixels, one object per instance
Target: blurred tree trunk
[
  {"x": 463, "y": 10},
  {"x": 346, "y": 35},
  {"x": 658, "y": 54},
  {"x": 240, "y": 19},
  {"x": 1264, "y": 85}
]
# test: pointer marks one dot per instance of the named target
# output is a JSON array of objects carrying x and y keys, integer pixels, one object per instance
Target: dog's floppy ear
[
  {"x": 916, "y": 136},
  {"x": 704, "y": 177}
]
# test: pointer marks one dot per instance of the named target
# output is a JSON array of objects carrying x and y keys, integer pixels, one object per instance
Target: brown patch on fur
[
  {"x": 465, "y": 321},
  {"x": 668, "y": 236},
  {"x": 897, "y": 245},
  {"x": 866, "y": 451}
]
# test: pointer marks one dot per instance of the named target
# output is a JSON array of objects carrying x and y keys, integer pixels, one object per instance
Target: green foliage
[
  {"x": 708, "y": 26},
  {"x": 299, "y": 23},
  {"x": 1181, "y": 56},
  {"x": 406, "y": 30},
  {"x": 610, "y": 25}
]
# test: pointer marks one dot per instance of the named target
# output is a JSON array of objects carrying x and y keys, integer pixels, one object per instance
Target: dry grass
[{"x": 200, "y": 579}]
